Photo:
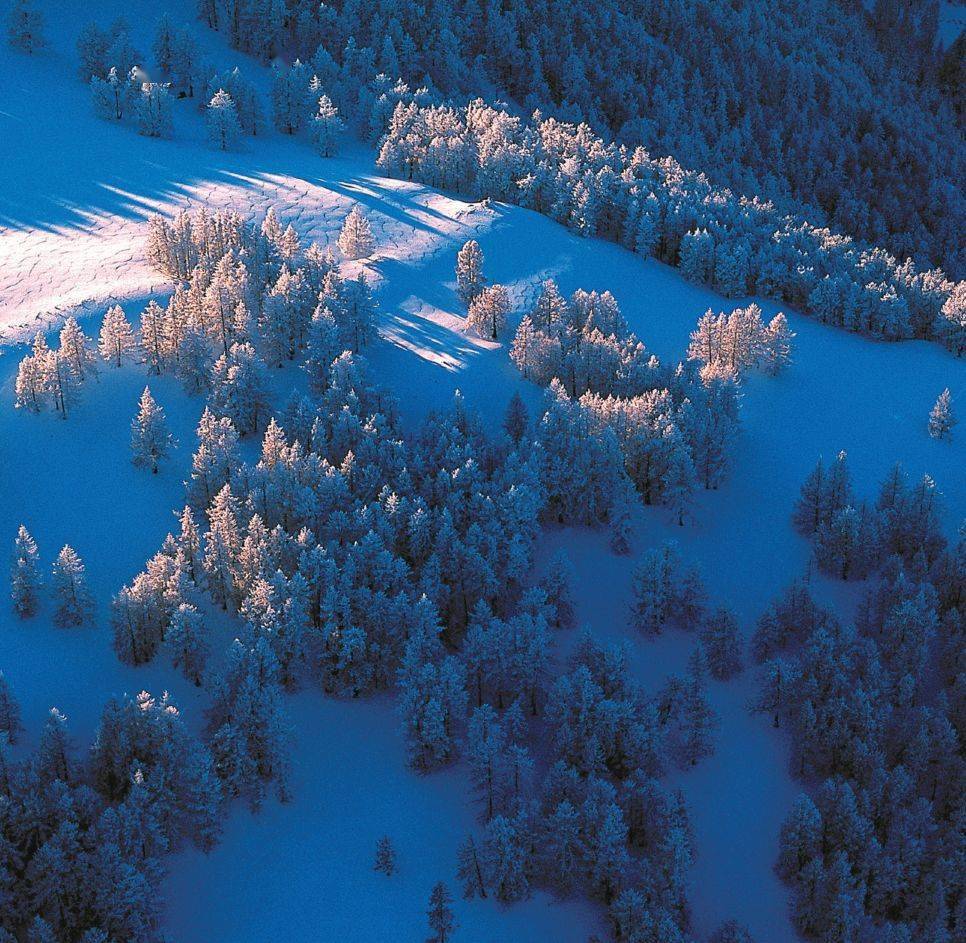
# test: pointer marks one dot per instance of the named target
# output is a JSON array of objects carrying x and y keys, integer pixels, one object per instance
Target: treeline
[
  {"x": 846, "y": 115},
  {"x": 875, "y": 715}
]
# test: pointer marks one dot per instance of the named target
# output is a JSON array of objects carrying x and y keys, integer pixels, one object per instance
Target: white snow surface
[{"x": 74, "y": 197}]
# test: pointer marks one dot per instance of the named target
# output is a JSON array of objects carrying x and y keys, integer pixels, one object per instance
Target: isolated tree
[
  {"x": 25, "y": 26},
  {"x": 469, "y": 272},
  {"x": 117, "y": 342},
  {"x": 489, "y": 310},
  {"x": 385, "y": 862},
  {"x": 442, "y": 920},
  {"x": 25, "y": 574},
  {"x": 73, "y": 602},
  {"x": 941, "y": 418},
  {"x": 221, "y": 120},
  {"x": 326, "y": 128},
  {"x": 355, "y": 239},
  {"x": 150, "y": 438}
]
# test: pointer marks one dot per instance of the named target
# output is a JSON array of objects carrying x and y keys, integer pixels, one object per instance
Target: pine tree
[
  {"x": 25, "y": 575},
  {"x": 74, "y": 604},
  {"x": 442, "y": 920},
  {"x": 153, "y": 111},
  {"x": 116, "y": 342},
  {"x": 326, "y": 127},
  {"x": 150, "y": 438},
  {"x": 355, "y": 239},
  {"x": 941, "y": 418},
  {"x": 185, "y": 640},
  {"x": 221, "y": 120},
  {"x": 385, "y": 862},
  {"x": 469, "y": 272},
  {"x": 777, "y": 346},
  {"x": 721, "y": 640},
  {"x": 516, "y": 422},
  {"x": 75, "y": 348},
  {"x": 25, "y": 26},
  {"x": 469, "y": 870}
]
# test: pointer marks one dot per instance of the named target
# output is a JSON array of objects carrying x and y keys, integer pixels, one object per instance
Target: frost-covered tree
[
  {"x": 721, "y": 640},
  {"x": 469, "y": 272},
  {"x": 151, "y": 440},
  {"x": 326, "y": 127},
  {"x": 221, "y": 120},
  {"x": 25, "y": 578},
  {"x": 941, "y": 418},
  {"x": 469, "y": 869},
  {"x": 116, "y": 342},
  {"x": 290, "y": 96},
  {"x": 355, "y": 238},
  {"x": 76, "y": 349},
  {"x": 489, "y": 310},
  {"x": 240, "y": 388},
  {"x": 74, "y": 604},
  {"x": 153, "y": 111},
  {"x": 777, "y": 345},
  {"x": 186, "y": 640},
  {"x": 385, "y": 861},
  {"x": 25, "y": 26},
  {"x": 731, "y": 932}
]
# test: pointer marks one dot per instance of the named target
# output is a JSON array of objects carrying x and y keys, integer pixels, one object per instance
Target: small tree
[
  {"x": 74, "y": 605},
  {"x": 355, "y": 239},
  {"x": 442, "y": 921},
  {"x": 221, "y": 119},
  {"x": 385, "y": 862},
  {"x": 25, "y": 574},
  {"x": 117, "y": 341},
  {"x": 326, "y": 127},
  {"x": 10, "y": 725},
  {"x": 721, "y": 640},
  {"x": 153, "y": 111},
  {"x": 25, "y": 26},
  {"x": 941, "y": 418},
  {"x": 150, "y": 438},
  {"x": 469, "y": 272},
  {"x": 489, "y": 310}
]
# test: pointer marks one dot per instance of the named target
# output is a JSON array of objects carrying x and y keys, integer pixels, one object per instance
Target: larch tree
[
  {"x": 385, "y": 862},
  {"x": 25, "y": 576},
  {"x": 74, "y": 604},
  {"x": 941, "y": 418},
  {"x": 489, "y": 310},
  {"x": 221, "y": 121},
  {"x": 10, "y": 725},
  {"x": 469, "y": 272},
  {"x": 356, "y": 240},
  {"x": 116, "y": 342},
  {"x": 150, "y": 438},
  {"x": 75, "y": 347},
  {"x": 326, "y": 128},
  {"x": 442, "y": 920},
  {"x": 777, "y": 345}
]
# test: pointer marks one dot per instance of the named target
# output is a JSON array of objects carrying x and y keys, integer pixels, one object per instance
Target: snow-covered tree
[
  {"x": 75, "y": 348},
  {"x": 74, "y": 604},
  {"x": 25, "y": 576},
  {"x": 221, "y": 120},
  {"x": 153, "y": 111},
  {"x": 25, "y": 26},
  {"x": 489, "y": 310},
  {"x": 10, "y": 725},
  {"x": 117, "y": 342},
  {"x": 941, "y": 418},
  {"x": 290, "y": 96},
  {"x": 185, "y": 639},
  {"x": 240, "y": 388},
  {"x": 777, "y": 345},
  {"x": 721, "y": 640},
  {"x": 469, "y": 272},
  {"x": 150, "y": 437},
  {"x": 355, "y": 238},
  {"x": 326, "y": 127}
]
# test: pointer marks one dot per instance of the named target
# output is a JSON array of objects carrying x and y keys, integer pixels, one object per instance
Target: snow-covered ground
[{"x": 74, "y": 197}]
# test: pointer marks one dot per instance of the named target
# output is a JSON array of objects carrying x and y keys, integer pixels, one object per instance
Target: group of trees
[
  {"x": 672, "y": 425},
  {"x": 54, "y": 377},
  {"x": 73, "y": 603},
  {"x": 875, "y": 716},
  {"x": 729, "y": 344},
  {"x": 656, "y": 207},
  {"x": 82, "y": 839}
]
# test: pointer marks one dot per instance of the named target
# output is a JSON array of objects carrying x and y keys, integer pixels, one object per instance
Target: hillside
[{"x": 75, "y": 201}]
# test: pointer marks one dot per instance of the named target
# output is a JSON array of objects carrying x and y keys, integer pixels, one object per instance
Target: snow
[{"x": 73, "y": 203}]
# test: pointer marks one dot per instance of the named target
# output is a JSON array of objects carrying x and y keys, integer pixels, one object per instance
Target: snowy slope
[{"x": 73, "y": 201}]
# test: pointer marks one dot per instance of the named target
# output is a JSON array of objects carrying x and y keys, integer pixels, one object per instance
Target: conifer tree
[
  {"x": 74, "y": 604},
  {"x": 10, "y": 725},
  {"x": 721, "y": 640},
  {"x": 116, "y": 342},
  {"x": 442, "y": 920},
  {"x": 516, "y": 421},
  {"x": 221, "y": 120},
  {"x": 469, "y": 272},
  {"x": 75, "y": 348},
  {"x": 385, "y": 862},
  {"x": 326, "y": 127},
  {"x": 469, "y": 870},
  {"x": 489, "y": 310},
  {"x": 941, "y": 418},
  {"x": 25, "y": 26},
  {"x": 25, "y": 575},
  {"x": 150, "y": 438},
  {"x": 185, "y": 640},
  {"x": 355, "y": 239}
]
